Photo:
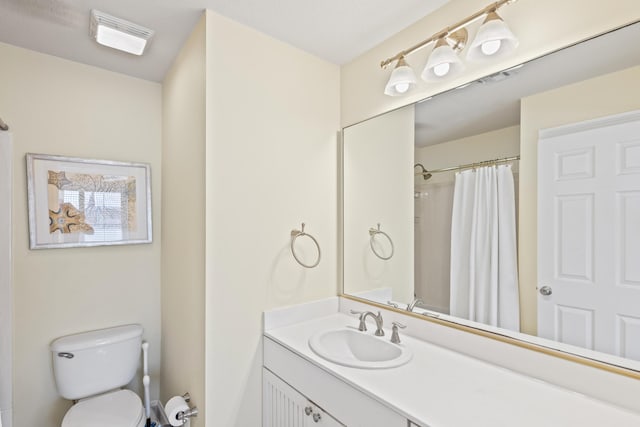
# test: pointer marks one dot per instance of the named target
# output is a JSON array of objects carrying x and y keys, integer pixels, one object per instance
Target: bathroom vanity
[{"x": 436, "y": 387}]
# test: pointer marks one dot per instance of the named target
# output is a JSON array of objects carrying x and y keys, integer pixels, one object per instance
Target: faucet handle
[
  {"x": 395, "y": 336},
  {"x": 363, "y": 325},
  {"x": 392, "y": 304}
]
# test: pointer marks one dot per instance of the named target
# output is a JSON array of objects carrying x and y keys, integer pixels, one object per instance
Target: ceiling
[
  {"x": 494, "y": 102},
  {"x": 335, "y": 30}
]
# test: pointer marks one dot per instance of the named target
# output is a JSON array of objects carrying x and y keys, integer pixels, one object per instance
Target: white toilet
[{"x": 91, "y": 367}]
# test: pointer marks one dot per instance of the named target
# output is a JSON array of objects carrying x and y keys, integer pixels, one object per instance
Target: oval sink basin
[{"x": 350, "y": 347}]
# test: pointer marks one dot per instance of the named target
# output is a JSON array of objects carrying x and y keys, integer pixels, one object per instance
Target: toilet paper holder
[
  {"x": 159, "y": 416},
  {"x": 185, "y": 415},
  {"x": 191, "y": 412}
]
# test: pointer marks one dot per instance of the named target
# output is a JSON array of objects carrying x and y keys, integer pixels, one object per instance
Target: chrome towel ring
[
  {"x": 372, "y": 233},
  {"x": 294, "y": 235}
]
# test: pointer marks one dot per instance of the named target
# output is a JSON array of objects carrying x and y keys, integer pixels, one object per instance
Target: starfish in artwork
[
  {"x": 68, "y": 219},
  {"x": 59, "y": 179}
]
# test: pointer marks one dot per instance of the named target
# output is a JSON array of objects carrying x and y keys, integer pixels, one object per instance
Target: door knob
[
  {"x": 308, "y": 410},
  {"x": 546, "y": 291},
  {"x": 316, "y": 417}
]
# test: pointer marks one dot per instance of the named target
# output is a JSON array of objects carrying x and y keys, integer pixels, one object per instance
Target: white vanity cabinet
[
  {"x": 302, "y": 384},
  {"x": 285, "y": 406},
  {"x": 436, "y": 387}
]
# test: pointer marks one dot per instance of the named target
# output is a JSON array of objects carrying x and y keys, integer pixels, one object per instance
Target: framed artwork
[{"x": 76, "y": 202}]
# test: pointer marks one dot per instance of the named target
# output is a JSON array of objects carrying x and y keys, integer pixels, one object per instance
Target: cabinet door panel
[
  {"x": 284, "y": 406},
  {"x": 352, "y": 407}
]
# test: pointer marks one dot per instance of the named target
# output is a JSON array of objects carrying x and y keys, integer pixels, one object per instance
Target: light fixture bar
[{"x": 443, "y": 33}]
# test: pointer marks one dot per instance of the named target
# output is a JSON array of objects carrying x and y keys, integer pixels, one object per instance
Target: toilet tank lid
[{"x": 96, "y": 338}]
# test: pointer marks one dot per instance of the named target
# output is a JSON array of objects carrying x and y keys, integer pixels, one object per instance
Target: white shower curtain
[{"x": 484, "y": 275}]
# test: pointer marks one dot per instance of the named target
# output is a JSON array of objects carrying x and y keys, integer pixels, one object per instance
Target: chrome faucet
[
  {"x": 363, "y": 325},
  {"x": 413, "y": 304}
]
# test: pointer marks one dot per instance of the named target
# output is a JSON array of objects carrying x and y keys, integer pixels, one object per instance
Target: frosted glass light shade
[
  {"x": 119, "y": 34},
  {"x": 443, "y": 62},
  {"x": 402, "y": 79},
  {"x": 494, "y": 40}
]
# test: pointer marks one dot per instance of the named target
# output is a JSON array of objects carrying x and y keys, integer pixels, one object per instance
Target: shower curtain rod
[
  {"x": 470, "y": 165},
  {"x": 3, "y": 125}
]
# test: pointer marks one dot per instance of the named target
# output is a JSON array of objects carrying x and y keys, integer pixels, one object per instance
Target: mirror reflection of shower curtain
[{"x": 484, "y": 275}]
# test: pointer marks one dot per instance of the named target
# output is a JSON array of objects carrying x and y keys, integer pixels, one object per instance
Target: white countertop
[{"x": 442, "y": 388}]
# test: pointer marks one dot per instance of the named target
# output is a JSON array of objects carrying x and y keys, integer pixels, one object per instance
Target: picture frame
[{"x": 76, "y": 202}]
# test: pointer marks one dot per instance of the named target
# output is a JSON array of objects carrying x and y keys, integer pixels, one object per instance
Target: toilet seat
[{"x": 121, "y": 408}]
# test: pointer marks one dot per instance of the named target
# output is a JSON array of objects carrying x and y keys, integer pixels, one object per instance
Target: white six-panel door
[{"x": 589, "y": 235}]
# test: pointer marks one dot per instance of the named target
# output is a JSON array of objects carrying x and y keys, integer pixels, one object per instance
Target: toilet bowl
[
  {"x": 91, "y": 368},
  {"x": 121, "y": 408}
]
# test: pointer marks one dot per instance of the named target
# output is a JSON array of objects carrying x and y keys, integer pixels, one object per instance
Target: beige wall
[
  {"x": 378, "y": 159},
  {"x": 183, "y": 213},
  {"x": 6, "y": 292},
  {"x": 271, "y": 163},
  {"x": 602, "y": 96},
  {"x": 60, "y": 107},
  {"x": 540, "y": 25}
]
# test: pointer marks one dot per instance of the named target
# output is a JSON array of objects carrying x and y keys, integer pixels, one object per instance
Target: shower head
[{"x": 426, "y": 175}]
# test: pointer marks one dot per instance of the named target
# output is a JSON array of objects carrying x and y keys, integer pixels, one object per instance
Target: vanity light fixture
[
  {"x": 402, "y": 79},
  {"x": 494, "y": 39},
  {"x": 444, "y": 60},
  {"x": 119, "y": 34}
]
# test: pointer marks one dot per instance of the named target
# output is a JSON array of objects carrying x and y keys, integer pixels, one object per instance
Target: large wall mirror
[{"x": 510, "y": 204}]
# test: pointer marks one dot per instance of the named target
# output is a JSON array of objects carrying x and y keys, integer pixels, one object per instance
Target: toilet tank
[{"x": 94, "y": 362}]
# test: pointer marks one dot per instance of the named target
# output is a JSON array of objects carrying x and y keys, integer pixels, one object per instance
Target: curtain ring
[
  {"x": 372, "y": 233},
  {"x": 294, "y": 235}
]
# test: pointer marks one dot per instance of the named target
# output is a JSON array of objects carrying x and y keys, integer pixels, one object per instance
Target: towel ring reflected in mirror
[
  {"x": 373, "y": 232},
  {"x": 300, "y": 233}
]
